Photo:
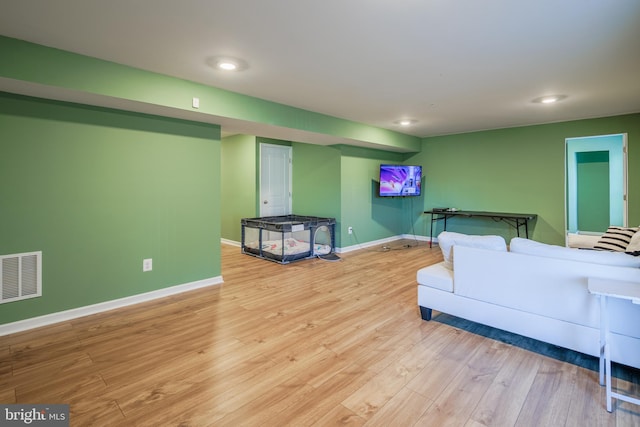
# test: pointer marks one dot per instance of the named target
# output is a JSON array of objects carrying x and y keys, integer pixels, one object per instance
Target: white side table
[{"x": 605, "y": 289}]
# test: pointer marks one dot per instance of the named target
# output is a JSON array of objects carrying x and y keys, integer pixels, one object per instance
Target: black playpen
[{"x": 287, "y": 238}]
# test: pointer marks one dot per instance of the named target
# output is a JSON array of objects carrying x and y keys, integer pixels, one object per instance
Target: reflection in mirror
[{"x": 596, "y": 183}]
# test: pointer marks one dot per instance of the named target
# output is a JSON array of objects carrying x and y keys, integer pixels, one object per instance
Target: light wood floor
[{"x": 310, "y": 343}]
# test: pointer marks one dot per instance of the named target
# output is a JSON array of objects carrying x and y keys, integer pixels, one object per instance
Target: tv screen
[{"x": 400, "y": 180}]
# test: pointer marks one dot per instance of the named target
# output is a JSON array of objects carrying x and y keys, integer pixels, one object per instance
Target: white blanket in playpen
[{"x": 289, "y": 246}]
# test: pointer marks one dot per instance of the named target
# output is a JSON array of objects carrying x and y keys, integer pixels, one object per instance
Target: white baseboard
[
  {"x": 231, "y": 242},
  {"x": 416, "y": 237},
  {"x": 367, "y": 244},
  {"x": 63, "y": 316}
]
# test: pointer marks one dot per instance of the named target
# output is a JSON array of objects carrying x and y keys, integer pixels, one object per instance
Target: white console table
[{"x": 605, "y": 289}]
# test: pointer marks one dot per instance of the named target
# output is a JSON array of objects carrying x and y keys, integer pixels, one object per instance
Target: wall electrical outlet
[
  {"x": 350, "y": 230},
  {"x": 147, "y": 264}
]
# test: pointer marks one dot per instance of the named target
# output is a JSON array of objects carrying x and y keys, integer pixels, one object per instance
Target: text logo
[{"x": 34, "y": 415}]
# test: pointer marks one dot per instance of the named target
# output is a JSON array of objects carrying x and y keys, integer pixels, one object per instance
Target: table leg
[
  {"x": 431, "y": 232},
  {"x": 602, "y": 338},
  {"x": 604, "y": 316},
  {"x": 604, "y": 291}
]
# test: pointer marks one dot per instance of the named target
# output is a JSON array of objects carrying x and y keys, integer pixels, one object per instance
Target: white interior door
[{"x": 275, "y": 180}]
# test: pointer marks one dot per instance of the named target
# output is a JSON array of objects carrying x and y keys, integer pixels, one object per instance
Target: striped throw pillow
[
  {"x": 616, "y": 239},
  {"x": 634, "y": 245}
]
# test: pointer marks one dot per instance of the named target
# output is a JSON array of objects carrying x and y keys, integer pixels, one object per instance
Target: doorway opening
[{"x": 596, "y": 183}]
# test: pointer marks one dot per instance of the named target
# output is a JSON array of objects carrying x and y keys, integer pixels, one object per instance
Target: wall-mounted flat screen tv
[{"x": 400, "y": 180}]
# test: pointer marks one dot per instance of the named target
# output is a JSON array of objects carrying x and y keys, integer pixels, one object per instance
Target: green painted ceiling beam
[{"x": 46, "y": 72}]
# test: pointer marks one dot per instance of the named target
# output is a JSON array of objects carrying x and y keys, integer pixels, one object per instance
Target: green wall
[
  {"x": 372, "y": 218},
  {"x": 238, "y": 177},
  {"x": 97, "y": 191},
  {"x": 316, "y": 180},
  {"x": 328, "y": 181},
  {"x": 516, "y": 170},
  {"x": 593, "y": 190},
  {"x": 506, "y": 170},
  {"x": 315, "y": 176}
]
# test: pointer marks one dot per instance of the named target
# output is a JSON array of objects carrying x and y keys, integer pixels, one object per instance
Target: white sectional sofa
[{"x": 533, "y": 289}]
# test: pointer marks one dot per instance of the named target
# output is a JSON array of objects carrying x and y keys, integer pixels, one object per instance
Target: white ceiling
[{"x": 454, "y": 66}]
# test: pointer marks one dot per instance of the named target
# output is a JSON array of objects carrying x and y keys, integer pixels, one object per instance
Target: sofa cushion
[
  {"x": 448, "y": 239},
  {"x": 436, "y": 276},
  {"x": 585, "y": 241},
  {"x": 616, "y": 239},
  {"x": 531, "y": 247}
]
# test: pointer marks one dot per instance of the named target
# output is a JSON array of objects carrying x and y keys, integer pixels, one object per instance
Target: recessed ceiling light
[
  {"x": 405, "y": 122},
  {"x": 229, "y": 66},
  {"x": 549, "y": 99},
  {"x": 227, "y": 63}
]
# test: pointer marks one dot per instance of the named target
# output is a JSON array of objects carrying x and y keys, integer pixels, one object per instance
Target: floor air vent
[{"x": 20, "y": 276}]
